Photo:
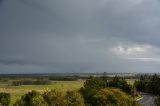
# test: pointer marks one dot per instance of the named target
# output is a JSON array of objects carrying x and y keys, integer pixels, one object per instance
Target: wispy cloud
[
  {"x": 146, "y": 59},
  {"x": 130, "y": 49},
  {"x": 137, "y": 52}
]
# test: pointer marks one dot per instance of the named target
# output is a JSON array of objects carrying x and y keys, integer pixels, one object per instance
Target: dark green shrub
[{"x": 5, "y": 99}]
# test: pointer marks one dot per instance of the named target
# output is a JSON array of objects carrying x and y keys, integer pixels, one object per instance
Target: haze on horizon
[{"x": 50, "y": 36}]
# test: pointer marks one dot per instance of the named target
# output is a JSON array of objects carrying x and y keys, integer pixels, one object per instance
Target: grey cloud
[
  {"x": 4, "y": 60},
  {"x": 16, "y": 60},
  {"x": 1, "y": 1},
  {"x": 73, "y": 35},
  {"x": 38, "y": 6}
]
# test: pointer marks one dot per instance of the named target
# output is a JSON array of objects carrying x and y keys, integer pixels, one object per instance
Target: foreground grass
[{"x": 17, "y": 91}]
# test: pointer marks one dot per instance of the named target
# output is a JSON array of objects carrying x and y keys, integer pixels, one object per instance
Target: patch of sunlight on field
[
  {"x": 17, "y": 91},
  {"x": 130, "y": 81}
]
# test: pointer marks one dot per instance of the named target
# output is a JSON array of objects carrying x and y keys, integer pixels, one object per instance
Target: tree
[
  {"x": 91, "y": 86},
  {"x": 5, "y": 99},
  {"x": 120, "y": 83},
  {"x": 153, "y": 85}
]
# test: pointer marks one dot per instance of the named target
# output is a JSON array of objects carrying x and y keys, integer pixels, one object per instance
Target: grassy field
[{"x": 17, "y": 91}]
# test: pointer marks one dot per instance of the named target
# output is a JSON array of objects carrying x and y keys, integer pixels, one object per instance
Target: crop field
[{"x": 17, "y": 91}]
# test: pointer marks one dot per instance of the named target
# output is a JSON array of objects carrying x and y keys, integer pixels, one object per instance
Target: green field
[{"x": 17, "y": 91}]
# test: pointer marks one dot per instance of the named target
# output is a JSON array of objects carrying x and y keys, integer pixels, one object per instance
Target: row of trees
[
  {"x": 30, "y": 82},
  {"x": 63, "y": 78},
  {"x": 149, "y": 84}
]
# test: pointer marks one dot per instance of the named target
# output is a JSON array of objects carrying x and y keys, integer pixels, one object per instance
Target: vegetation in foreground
[
  {"x": 17, "y": 91},
  {"x": 103, "y": 92},
  {"x": 4, "y": 99},
  {"x": 50, "y": 98},
  {"x": 95, "y": 91}
]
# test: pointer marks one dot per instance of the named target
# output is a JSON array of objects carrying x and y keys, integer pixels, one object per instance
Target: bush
[
  {"x": 112, "y": 97},
  {"x": 54, "y": 98},
  {"x": 51, "y": 98},
  {"x": 74, "y": 99},
  {"x": 32, "y": 98},
  {"x": 5, "y": 99}
]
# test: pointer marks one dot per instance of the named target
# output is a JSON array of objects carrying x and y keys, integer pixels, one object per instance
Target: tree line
[
  {"x": 149, "y": 84},
  {"x": 30, "y": 82}
]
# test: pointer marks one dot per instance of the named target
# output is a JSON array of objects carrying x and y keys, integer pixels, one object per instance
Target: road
[{"x": 147, "y": 100}]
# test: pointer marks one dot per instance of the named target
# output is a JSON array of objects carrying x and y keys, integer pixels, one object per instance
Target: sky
[{"x": 79, "y": 36}]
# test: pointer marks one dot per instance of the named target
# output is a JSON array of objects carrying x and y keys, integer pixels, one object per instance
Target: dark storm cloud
[
  {"x": 77, "y": 35},
  {"x": 1, "y": 1},
  {"x": 37, "y": 6},
  {"x": 12, "y": 60}
]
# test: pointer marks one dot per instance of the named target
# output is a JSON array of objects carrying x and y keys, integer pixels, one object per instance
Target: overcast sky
[{"x": 43, "y": 36}]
